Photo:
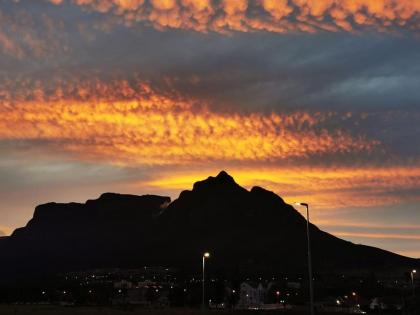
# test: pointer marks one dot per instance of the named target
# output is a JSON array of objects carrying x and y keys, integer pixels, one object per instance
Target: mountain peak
[
  {"x": 222, "y": 181},
  {"x": 224, "y": 176}
]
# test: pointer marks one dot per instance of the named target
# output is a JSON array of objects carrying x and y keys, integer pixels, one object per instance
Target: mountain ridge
[{"x": 248, "y": 230}]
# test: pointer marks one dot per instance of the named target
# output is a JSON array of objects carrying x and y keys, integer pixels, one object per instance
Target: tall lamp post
[
  {"x": 412, "y": 273},
  {"x": 311, "y": 289},
  {"x": 203, "y": 303}
]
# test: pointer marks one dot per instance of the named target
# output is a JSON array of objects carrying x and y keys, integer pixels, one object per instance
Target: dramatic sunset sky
[{"x": 317, "y": 100}]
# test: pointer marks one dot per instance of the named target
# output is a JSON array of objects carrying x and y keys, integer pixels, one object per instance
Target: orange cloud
[
  {"x": 23, "y": 34},
  {"x": 125, "y": 125},
  {"x": 130, "y": 124},
  {"x": 268, "y": 15}
]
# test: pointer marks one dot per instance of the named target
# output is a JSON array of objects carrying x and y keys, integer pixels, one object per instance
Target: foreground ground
[{"x": 59, "y": 310}]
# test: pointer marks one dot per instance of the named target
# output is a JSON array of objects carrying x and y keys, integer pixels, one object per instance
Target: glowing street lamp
[
  {"x": 412, "y": 273},
  {"x": 206, "y": 255},
  {"x": 311, "y": 289}
]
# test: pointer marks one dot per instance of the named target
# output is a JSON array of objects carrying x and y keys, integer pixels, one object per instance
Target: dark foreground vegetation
[{"x": 60, "y": 310}]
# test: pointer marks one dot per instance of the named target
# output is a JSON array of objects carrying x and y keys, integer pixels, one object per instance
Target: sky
[{"x": 317, "y": 101}]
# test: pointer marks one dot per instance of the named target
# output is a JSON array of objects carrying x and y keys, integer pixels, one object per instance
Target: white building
[{"x": 251, "y": 296}]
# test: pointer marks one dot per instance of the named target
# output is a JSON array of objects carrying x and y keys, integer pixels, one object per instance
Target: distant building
[
  {"x": 251, "y": 295},
  {"x": 144, "y": 293},
  {"x": 293, "y": 285},
  {"x": 123, "y": 284},
  {"x": 386, "y": 303}
]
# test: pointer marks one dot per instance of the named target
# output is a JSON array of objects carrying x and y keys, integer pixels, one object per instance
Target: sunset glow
[
  {"x": 324, "y": 188},
  {"x": 316, "y": 100},
  {"x": 155, "y": 129},
  {"x": 273, "y": 15}
]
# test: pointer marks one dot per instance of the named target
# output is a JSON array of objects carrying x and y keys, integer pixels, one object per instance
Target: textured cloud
[
  {"x": 279, "y": 16},
  {"x": 131, "y": 124},
  {"x": 253, "y": 70},
  {"x": 328, "y": 116},
  {"x": 24, "y": 34}
]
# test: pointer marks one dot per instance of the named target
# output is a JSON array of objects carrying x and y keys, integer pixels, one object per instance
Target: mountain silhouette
[{"x": 249, "y": 232}]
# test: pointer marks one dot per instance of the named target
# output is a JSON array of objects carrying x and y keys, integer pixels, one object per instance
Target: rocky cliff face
[{"x": 247, "y": 231}]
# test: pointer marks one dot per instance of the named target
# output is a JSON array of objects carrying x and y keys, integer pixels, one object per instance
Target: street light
[
  {"x": 205, "y": 256},
  {"x": 311, "y": 289},
  {"x": 412, "y": 273},
  {"x": 356, "y": 298}
]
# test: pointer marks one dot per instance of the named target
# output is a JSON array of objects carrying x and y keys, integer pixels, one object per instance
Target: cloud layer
[
  {"x": 316, "y": 100},
  {"x": 278, "y": 16},
  {"x": 133, "y": 125}
]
